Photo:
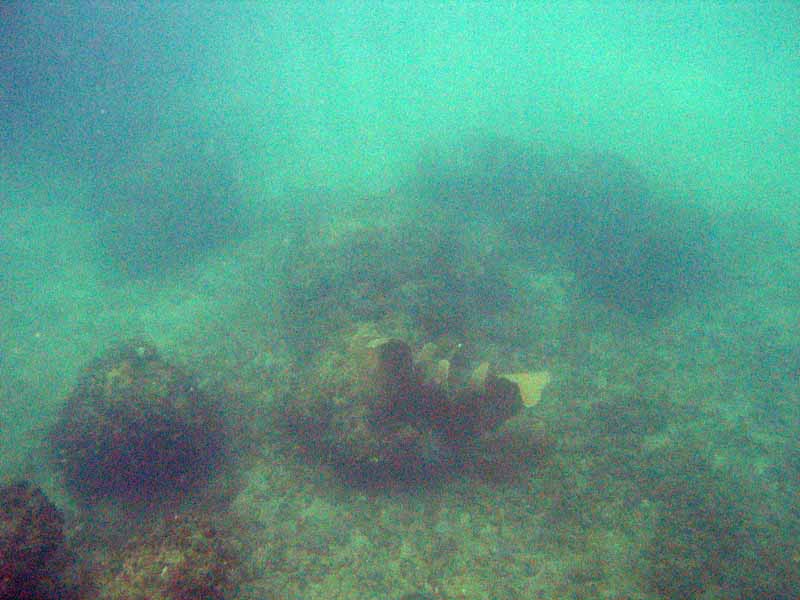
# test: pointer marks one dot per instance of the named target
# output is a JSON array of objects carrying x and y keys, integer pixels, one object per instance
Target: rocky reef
[{"x": 135, "y": 427}]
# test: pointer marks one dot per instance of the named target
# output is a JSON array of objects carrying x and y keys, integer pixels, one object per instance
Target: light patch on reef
[{"x": 531, "y": 384}]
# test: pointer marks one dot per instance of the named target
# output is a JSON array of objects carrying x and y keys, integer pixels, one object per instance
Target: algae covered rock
[
  {"x": 31, "y": 543},
  {"x": 378, "y": 414},
  {"x": 136, "y": 426},
  {"x": 508, "y": 452},
  {"x": 484, "y": 404},
  {"x": 183, "y": 558}
]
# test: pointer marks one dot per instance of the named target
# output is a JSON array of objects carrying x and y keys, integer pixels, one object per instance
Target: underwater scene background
[{"x": 409, "y": 300}]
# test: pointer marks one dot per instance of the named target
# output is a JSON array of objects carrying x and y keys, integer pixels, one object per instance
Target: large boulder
[{"x": 136, "y": 426}]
